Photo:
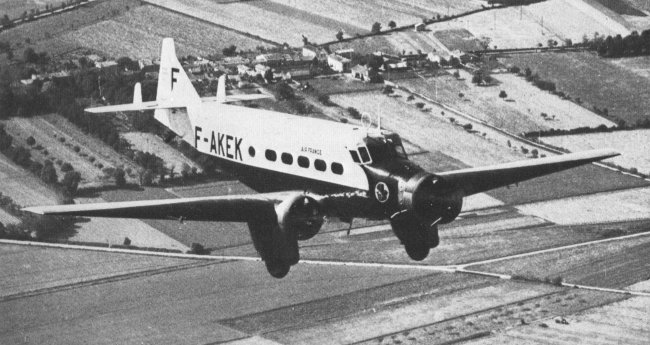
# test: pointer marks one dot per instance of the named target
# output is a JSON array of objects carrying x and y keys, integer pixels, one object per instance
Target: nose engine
[{"x": 424, "y": 201}]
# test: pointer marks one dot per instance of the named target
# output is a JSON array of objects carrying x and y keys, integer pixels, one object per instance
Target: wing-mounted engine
[
  {"x": 276, "y": 231},
  {"x": 302, "y": 214},
  {"x": 424, "y": 201}
]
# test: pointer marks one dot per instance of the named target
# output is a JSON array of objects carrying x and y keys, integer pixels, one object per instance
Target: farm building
[
  {"x": 433, "y": 57},
  {"x": 338, "y": 63},
  {"x": 270, "y": 59},
  {"x": 346, "y": 53},
  {"x": 144, "y": 63},
  {"x": 364, "y": 73},
  {"x": 106, "y": 65},
  {"x": 261, "y": 69},
  {"x": 314, "y": 52},
  {"x": 419, "y": 27},
  {"x": 294, "y": 73},
  {"x": 234, "y": 61}
]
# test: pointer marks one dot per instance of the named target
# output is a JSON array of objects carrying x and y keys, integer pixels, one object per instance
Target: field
[
  {"x": 59, "y": 139},
  {"x": 633, "y": 146},
  {"x": 149, "y": 142},
  {"x": 522, "y": 111},
  {"x": 15, "y": 8},
  {"x": 458, "y": 39},
  {"x": 411, "y": 42},
  {"x": 43, "y": 33},
  {"x": 22, "y": 187},
  {"x": 616, "y": 206},
  {"x": 242, "y": 17},
  {"x": 424, "y": 130},
  {"x": 614, "y": 264},
  {"x": 621, "y": 91},
  {"x": 138, "y": 34},
  {"x": 640, "y": 65},
  {"x": 529, "y": 103}
]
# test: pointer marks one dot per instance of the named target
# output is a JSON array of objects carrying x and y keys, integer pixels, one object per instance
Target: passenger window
[
  {"x": 320, "y": 165},
  {"x": 287, "y": 158},
  {"x": 355, "y": 156},
  {"x": 303, "y": 162},
  {"x": 251, "y": 151},
  {"x": 337, "y": 168},
  {"x": 365, "y": 156},
  {"x": 271, "y": 155}
]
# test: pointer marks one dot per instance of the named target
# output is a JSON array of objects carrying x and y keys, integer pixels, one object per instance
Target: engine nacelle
[
  {"x": 301, "y": 215},
  {"x": 426, "y": 196}
]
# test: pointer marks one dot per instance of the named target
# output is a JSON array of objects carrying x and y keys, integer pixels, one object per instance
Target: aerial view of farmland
[{"x": 324, "y": 172}]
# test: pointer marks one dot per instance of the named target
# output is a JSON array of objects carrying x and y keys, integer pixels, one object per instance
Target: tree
[
  {"x": 6, "y": 22},
  {"x": 66, "y": 167},
  {"x": 503, "y": 94},
  {"x": 284, "y": 91},
  {"x": 392, "y": 24},
  {"x": 456, "y": 74},
  {"x": 339, "y": 35},
  {"x": 146, "y": 177},
  {"x": 185, "y": 170},
  {"x": 118, "y": 175},
  {"x": 48, "y": 173},
  {"x": 376, "y": 28},
  {"x": 70, "y": 182},
  {"x": 268, "y": 75},
  {"x": 30, "y": 56},
  {"x": 354, "y": 113},
  {"x": 477, "y": 78},
  {"x": 230, "y": 51},
  {"x": 128, "y": 64}
]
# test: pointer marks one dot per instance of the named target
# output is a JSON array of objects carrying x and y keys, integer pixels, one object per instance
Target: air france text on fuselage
[{"x": 221, "y": 144}]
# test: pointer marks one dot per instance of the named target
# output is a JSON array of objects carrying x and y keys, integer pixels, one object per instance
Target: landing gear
[{"x": 417, "y": 251}]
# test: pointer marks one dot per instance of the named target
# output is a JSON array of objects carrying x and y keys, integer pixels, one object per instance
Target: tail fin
[
  {"x": 173, "y": 84},
  {"x": 175, "y": 89}
]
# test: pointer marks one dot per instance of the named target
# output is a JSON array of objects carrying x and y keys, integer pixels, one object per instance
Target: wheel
[
  {"x": 277, "y": 269},
  {"x": 417, "y": 251}
]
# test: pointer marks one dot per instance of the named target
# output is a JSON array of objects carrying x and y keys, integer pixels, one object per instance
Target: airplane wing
[
  {"x": 230, "y": 208},
  {"x": 236, "y": 98},
  {"x": 477, "y": 180}
]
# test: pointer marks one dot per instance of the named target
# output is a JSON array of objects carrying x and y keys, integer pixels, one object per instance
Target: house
[
  {"x": 261, "y": 69},
  {"x": 144, "y": 63},
  {"x": 94, "y": 58},
  {"x": 419, "y": 27},
  {"x": 234, "y": 61},
  {"x": 272, "y": 59},
  {"x": 298, "y": 72},
  {"x": 338, "y": 63},
  {"x": 107, "y": 65},
  {"x": 313, "y": 52},
  {"x": 346, "y": 53},
  {"x": 242, "y": 69},
  {"x": 364, "y": 73},
  {"x": 434, "y": 57}
]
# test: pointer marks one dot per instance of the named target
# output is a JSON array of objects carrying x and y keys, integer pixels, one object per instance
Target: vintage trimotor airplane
[{"x": 326, "y": 168}]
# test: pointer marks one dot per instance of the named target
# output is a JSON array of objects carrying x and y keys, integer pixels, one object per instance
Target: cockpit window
[
  {"x": 398, "y": 149},
  {"x": 365, "y": 156},
  {"x": 355, "y": 156}
]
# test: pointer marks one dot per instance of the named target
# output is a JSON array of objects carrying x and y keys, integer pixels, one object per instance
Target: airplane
[{"x": 323, "y": 169}]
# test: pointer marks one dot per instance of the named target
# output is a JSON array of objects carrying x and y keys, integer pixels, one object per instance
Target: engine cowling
[
  {"x": 427, "y": 197},
  {"x": 301, "y": 215}
]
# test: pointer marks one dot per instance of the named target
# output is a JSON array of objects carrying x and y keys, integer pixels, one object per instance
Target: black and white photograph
[{"x": 243, "y": 172}]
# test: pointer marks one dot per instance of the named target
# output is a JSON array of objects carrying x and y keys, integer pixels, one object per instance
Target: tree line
[{"x": 634, "y": 44}]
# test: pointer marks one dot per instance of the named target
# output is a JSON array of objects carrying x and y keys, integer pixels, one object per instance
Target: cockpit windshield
[{"x": 379, "y": 149}]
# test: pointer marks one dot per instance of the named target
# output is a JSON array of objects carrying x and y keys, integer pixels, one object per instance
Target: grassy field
[
  {"x": 639, "y": 65},
  {"x": 22, "y": 187},
  {"x": 480, "y": 102},
  {"x": 60, "y": 140},
  {"x": 15, "y": 8},
  {"x": 460, "y": 39},
  {"x": 432, "y": 133},
  {"x": 594, "y": 80},
  {"x": 613, "y": 264},
  {"x": 149, "y": 142},
  {"x": 244, "y": 17},
  {"x": 43, "y": 34},
  {"x": 630, "y": 204},
  {"x": 633, "y": 146}
]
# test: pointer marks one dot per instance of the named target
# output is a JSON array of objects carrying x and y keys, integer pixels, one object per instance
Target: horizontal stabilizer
[
  {"x": 236, "y": 98},
  {"x": 477, "y": 180}
]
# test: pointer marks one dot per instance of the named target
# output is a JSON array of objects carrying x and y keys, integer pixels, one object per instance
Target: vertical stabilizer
[
  {"x": 137, "y": 94},
  {"x": 175, "y": 89},
  {"x": 221, "y": 89}
]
